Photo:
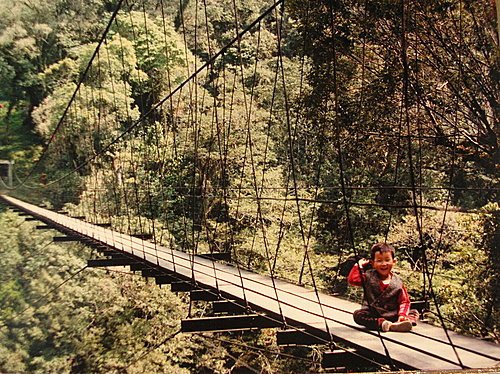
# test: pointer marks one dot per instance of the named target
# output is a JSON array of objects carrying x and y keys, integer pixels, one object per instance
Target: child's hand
[
  {"x": 403, "y": 318},
  {"x": 363, "y": 262}
]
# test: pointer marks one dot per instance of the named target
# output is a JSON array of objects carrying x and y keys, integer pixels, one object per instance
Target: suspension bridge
[
  {"x": 245, "y": 148},
  {"x": 246, "y": 300}
]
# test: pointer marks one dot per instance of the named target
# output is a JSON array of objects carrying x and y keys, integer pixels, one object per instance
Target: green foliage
[
  {"x": 462, "y": 263},
  {"x": 156, "y": 43},
  {"x": 101, "y": 322},
  {"x": 476, "y": 300},
  {"x": 283, "y": 158},
  {"x": 95, "y": 322},
  {"x": 17, "y": 142}
]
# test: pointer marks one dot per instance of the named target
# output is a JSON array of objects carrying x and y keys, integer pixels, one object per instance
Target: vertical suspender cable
[{"x": 404, "y": 58}]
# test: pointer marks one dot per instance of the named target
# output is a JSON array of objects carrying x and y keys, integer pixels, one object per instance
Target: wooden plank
[
  {"x": 181, "y": 286},
  {"x": 298, "y": 337},
  {"x": 203, "y": 295},
  {"x": 227, "y": 323},
  {"x": 117, "y": 255},
  {"x": 217, "y": 256},
  {"x": 137, "y": 267},
  {"x": 102, "y": 248},
  {"x": 229, "y": 307},
  {"x": 104, "y": 262},
  {"x": 61, "y": 239},
  {"x": 143, "y": 236},
  {"x": 111, "y": 253},
  {"x": 340, "y": 358},
  {"x": 165, "y": 279},
  {"x": 153, "y": 272},
  {"x": 106, "y": 224}
]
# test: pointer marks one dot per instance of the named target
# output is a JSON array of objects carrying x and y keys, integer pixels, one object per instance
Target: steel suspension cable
[
  {"x": 404, "y": 57},
  {"x": 163, "y": 157},
  {"x": 176, "y": 90},
  {"x": 249, "y": 147},
  {"x": 80, "y": 82},
  {"x": 225, "y": 154},
  {"x": 259, "y": 192},
  {"x": 340, "y": 161},
  {"x": 297, "y": 121},
  {"x": 294, "y": 175},
  {"x": 213, "y": 137},
  {"x": 146, "y": 152},
  {"x": 44, "y": 296},
  {"x": 453, "y": 160}
]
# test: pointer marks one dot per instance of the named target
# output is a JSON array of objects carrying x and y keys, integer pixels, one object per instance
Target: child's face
[{"x": 383, "y": 263}]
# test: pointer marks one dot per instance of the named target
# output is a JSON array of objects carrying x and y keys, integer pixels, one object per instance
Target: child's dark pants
[{"x": 371, "y": 321}]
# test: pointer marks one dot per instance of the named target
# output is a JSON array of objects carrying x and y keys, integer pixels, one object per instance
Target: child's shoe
[
  {"x": 403, "y": 326},
  {"x": 386, "y": 326},
  {"x": 414, "y": 316}
]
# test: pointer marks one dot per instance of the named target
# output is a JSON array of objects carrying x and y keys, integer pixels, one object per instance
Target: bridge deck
[{"x": 425, "y": 348}]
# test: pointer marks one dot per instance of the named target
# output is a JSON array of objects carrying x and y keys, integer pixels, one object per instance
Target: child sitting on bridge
[{"x": 386, "y": 304}]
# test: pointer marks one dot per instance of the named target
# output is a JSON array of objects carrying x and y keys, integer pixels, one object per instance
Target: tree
[
  {"x": 38, "y": 34},
  {"x": 57, "y": 316}
]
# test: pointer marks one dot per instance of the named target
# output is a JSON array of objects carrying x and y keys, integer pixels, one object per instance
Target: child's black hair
[{"x": 382, "y": 248}]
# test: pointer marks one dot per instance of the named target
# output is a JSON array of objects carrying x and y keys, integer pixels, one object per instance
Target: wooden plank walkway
[{"x": 425, "y": 348}]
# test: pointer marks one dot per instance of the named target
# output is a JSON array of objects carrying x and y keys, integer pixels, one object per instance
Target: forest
[{"x": 289, "y": 134}]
